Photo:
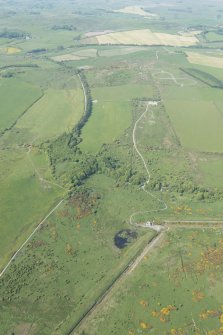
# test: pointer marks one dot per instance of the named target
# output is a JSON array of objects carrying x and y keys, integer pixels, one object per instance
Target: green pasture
[
  {"x": 176, "y": 287},
  {"x": 86, "y": 52},
  {"x": 16, "y": 97},
  {"x": 218, "y": 73},
  {"x": 107, "y": 122},
  {"x": 25, "y": 199},
  {"x": 194, "y": 93},
  {"x": 114, "y": 197},
  {"x": 214, "y": 37},
  {"x": 197, "y": 123},
  {"x": 211, "y": 170},
  {"x": 112, "y": 114},
  {"x": 50, "y": 75},
  {"x": 118, "y": 51},
  {"x": 57, "y": 112}
]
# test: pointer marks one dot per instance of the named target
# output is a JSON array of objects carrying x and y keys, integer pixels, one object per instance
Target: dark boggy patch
[{"x": 124, "y": 237}]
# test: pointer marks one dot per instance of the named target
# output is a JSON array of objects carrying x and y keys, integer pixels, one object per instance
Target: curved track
[{"x": 164, "y": 205}]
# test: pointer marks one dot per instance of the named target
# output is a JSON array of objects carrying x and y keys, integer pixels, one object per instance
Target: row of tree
[{"x": 75, "y": 135}]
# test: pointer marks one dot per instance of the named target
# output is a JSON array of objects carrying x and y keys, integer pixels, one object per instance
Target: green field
[
  {"x": 111, "y": 52},
  {"x": 212, "y": 171},
  {"x": 198, "y": 124},
  {"x": 16, "y": 97},
  {"x": 107, "y": 123},
  {"x": 112, "y": 114},
  {"x": 214, "y": 37},
  {"x": 204, "y": 77},
  {"x": 57, "y": 112}
]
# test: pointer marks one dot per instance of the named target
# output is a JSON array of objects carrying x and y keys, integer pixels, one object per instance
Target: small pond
[{"x": 124, "y": 237}]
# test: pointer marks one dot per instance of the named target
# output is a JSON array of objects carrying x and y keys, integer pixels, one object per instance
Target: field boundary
[
  {"x": 218, "y": 83},
  {"x": 22, "y": 114}
]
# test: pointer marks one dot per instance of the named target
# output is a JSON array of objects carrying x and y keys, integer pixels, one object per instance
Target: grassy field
[
  {"x": 211, "y": 170},
  {"x": 204, "y": 77},
  {"x": 198, "y": 124},
  {"x": 216, "y": 72},
  {"x": 57, "y": 112},
  {"x": 182, "y": 274},
  {"x": 16, "y": 96},
  {"x": 120, "y": 51},
  {"x": 111, "y": 116},
  {"x": 108, "y": 121},
  {"x": 214, "y": 37},
  {"x": 77, "y": 55}
]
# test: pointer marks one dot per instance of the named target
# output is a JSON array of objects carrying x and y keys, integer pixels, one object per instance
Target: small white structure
[
  {"x": 151, "y": 225},
  {"x": 153, "y": 103}
]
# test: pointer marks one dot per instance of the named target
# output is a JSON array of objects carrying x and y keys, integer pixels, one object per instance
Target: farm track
[
  {"x": 22, "y": 114},
  {"x": 28, "y": 239},
  {"x": 164, "y": 205}
]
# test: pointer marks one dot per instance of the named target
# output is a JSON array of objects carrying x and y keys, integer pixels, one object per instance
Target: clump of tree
[
  {"x": 37, "y": 51},
  {"x": 7, "y": 74},
  {"x": 119, "y": 168},
  {"x": 69, "y": 27},
  {"x": 12, "y": 34},
  {"x": 69, "y": 165},
  {"x": 183, "y": 184}
]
